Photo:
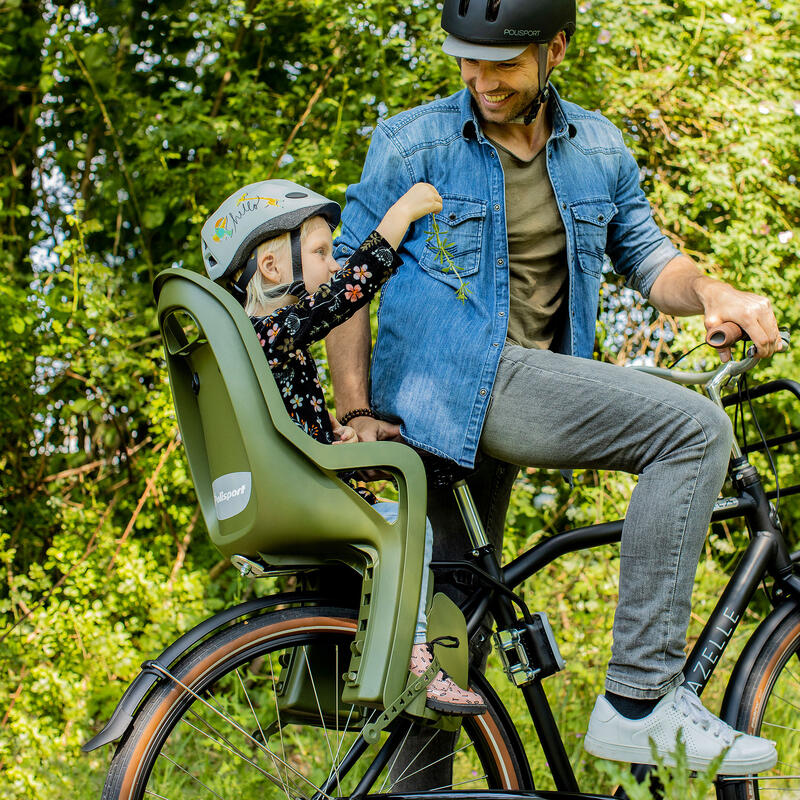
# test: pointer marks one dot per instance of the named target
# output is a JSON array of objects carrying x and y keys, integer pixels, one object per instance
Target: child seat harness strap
[{"x": 239, "y": 288}]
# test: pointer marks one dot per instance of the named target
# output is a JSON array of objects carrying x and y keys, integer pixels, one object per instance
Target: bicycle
[{"x": 271, "y": 670}]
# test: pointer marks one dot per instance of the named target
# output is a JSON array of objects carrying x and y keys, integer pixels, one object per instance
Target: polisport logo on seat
[{"x": 231, "y": 494}]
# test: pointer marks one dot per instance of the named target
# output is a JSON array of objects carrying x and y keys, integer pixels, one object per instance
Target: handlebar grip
[{"x": 725, "y": 335}]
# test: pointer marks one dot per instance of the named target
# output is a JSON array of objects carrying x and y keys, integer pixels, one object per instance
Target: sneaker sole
[
  {"x": 456, "y": 709},
  {"x": 642, "y": 755}
]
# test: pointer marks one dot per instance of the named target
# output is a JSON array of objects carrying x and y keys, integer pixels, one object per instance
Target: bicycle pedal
[{"x": 529, "y": 650}]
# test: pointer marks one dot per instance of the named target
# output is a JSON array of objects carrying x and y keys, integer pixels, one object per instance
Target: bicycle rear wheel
[
  {"x": 770, "y": 707},
  {"x": 255, "y": 712}
]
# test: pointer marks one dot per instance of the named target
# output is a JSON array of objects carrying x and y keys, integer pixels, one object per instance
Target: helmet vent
[
  {"x": 296, "y": 195},
  {"x": 492, "y": 10},
  {"x": 463, "y": 7}
]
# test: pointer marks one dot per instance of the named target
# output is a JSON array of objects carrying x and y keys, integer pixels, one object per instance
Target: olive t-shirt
[{"x": 536, "y": 251}]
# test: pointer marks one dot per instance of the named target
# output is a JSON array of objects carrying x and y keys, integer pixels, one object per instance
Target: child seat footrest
[{"x": 371, "y": 732}]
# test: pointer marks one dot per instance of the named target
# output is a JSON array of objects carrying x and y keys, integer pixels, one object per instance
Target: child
[{"x": 272, "y": 241}]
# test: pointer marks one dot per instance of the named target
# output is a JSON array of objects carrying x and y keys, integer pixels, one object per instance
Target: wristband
[{"x": 356, "y": 412}]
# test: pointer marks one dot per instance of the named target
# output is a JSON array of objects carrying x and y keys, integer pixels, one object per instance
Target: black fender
[
  {"x": 149, "y": 677},
  {"x": 735, "y": 689}
]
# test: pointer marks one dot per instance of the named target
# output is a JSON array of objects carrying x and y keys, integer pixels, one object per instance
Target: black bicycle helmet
[
  {"x": 498, "y": 30},
  {"x": 512, "y": 24}
]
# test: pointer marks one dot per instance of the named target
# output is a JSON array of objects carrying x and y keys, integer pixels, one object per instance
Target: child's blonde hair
[{"x": 263, "y": 296}]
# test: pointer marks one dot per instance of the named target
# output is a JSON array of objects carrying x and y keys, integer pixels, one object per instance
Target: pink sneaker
[{"x": 443, "y": 694}]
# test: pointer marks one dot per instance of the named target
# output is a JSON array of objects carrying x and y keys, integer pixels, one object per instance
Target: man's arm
[
  {"x": 682, "y": 289},
  {"x": 348, "y": 349}
]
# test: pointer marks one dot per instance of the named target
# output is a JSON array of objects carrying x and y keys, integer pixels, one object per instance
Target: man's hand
[
  {"x": 752, "y": 312},
  {"x": 683, "y": 290},
  {"x": 375, "y": 430}
]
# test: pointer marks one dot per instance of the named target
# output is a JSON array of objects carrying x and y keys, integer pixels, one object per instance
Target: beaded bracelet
[{"x": 356, "y": 412}]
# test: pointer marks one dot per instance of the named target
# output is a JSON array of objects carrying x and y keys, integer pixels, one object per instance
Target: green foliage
[
  {"x": 671, "y": 779},
  {"x": 124, "y": 123}
]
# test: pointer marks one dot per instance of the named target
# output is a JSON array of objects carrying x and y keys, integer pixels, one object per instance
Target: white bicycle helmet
[{"x": 252, "y": 214}]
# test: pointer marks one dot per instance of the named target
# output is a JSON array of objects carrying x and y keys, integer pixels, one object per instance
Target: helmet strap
[
  {"x": 297, "y": 256},
  {"x": 239, "y": 288},
  {"x": 544, "y": 79}
]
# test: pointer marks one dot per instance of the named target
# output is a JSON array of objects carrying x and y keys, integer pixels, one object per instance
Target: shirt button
[
  {"x": 501, "y": 314},
  {"x": 491, "y": 154},
  {"x": 563, "y": 205},
  {"x": 495, "y": 344},
  {"x": 500, "y": 262},
  {"x": 451, "y": 216},
  {"x": 600, "y": 218},
  {"x": 483, "y": 392},
  {"x": 497, "y": 206}
]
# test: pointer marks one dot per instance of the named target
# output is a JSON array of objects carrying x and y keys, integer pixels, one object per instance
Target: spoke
[
  {"x": 154, "y": 794},
  {"x": 233, "y": 749},
  {"x": 460, "y": 783},
  {"x": 443, "y": 758},
  {"x": 321, "y": 715},
  {"x": 261, "y": 731},
  {"x": 408, "y": 766},
  {"x": 336, "y": 709},
  {"x": 238, "y": 727},
  {"x": 788, "y": 702},
  {"x": 277, "y": 711},
  {"x": 792, "y": 674},
  {"x": 344, "y": 732},
  {"x": 394, "y": 761},
  {"x": 766, "y": 724},
  {"x": 193, "y": 777}
]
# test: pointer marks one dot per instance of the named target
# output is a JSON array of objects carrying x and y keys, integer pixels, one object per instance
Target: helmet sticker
[
  {"x": 270, "y": 201},
  {"x": 220, "y": 230},
  {"x": 226, "y": 226}
]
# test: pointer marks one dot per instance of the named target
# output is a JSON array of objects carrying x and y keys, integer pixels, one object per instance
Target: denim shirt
[{"x": 435, "y": 358}]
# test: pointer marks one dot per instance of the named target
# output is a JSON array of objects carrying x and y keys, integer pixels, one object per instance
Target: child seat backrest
[
  {"x": 260, "y": 488},
  {"x": 267, "y": 489}
]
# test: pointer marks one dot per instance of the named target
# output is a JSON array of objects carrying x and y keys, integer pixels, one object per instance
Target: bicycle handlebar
[
  {"x": 725, "y": 334},
  {"x": 717, "y": 377}
]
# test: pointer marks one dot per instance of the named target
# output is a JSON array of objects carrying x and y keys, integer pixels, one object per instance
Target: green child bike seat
[{"x": 270, "y": 492}]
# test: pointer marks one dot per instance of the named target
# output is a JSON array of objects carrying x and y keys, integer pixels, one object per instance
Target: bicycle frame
[{"x": 766, "y": 553}]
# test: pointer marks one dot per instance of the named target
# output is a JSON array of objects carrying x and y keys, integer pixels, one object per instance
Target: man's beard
[{"x": 515, "y": 114}]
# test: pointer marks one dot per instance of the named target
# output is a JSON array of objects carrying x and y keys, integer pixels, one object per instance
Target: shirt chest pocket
[
  {"x": 590, "y": 220},
  {"x": 458, "y": 249}
]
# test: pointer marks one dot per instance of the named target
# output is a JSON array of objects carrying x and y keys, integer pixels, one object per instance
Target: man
[{"x": 536, "y": 190}]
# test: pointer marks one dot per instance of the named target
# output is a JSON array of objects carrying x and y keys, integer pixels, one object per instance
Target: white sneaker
[{"x": 618, "y": 738}]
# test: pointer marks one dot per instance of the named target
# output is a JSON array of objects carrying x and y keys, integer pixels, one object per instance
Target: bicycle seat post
[{"x": 472, "y": 521}]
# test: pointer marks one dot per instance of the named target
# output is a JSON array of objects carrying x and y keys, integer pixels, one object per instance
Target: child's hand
[
  {"x": 343, "y": 434},
  {"x": 419, "y": 200}
]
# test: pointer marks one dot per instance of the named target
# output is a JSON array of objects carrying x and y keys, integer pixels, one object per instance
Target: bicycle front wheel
[
  {"x": 255, "y": 712},
  {"x": 770, "y": 707}
]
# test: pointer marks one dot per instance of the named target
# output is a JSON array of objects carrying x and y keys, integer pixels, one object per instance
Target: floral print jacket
[{"x": 286, "y": 334}]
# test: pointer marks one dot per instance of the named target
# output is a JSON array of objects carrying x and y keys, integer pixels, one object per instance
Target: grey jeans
[{"x": 556, "y": 411}]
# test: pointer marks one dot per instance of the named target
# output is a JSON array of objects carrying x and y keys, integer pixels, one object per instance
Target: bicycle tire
[
  {"x": 173, "y": 744},
  {"x": 770, "y": 707}
]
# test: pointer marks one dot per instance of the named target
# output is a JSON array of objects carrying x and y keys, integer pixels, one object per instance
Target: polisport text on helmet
[
  {"x": 223, "y": 496},
  {"x": 515, "y": 32}
]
